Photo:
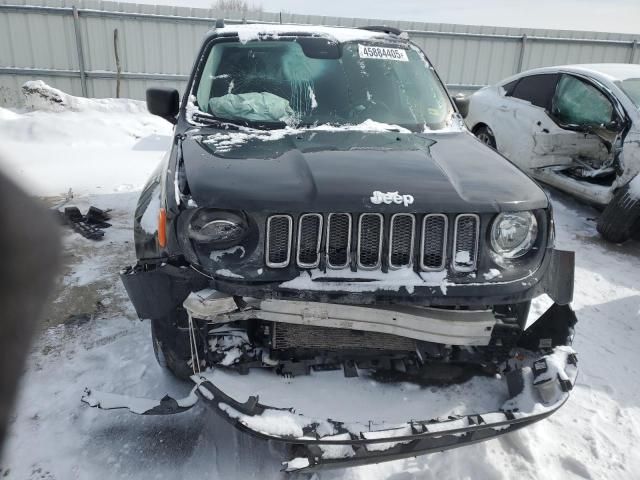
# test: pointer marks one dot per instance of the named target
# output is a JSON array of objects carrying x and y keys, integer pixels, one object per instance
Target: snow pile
[
  {"x": 42, "y": 97},
  {"x": 61, "y": 142}
]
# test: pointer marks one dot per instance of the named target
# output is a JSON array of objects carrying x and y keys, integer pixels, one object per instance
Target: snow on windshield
[{"x": 297, "y": 83}]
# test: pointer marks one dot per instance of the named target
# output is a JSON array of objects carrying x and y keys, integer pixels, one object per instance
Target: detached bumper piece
[
  {"x": 536, "y": 389},
  {"x": 535, "y": 392}
]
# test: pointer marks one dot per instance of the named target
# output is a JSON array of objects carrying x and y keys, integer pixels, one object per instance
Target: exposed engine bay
[{"x": 294, "y": 338}]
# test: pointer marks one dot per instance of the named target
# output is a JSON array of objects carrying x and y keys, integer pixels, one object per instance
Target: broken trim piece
[{"x": 142, "y": 406}]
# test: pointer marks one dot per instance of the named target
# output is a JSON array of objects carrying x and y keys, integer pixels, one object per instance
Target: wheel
[
  {"x": 620, "y": 220},
  {"x": 485, "y": 135},
  {"x": 171, "y": 347}
]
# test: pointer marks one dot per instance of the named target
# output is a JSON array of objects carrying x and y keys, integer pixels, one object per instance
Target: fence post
[
  {"x": 632, "y": 54},
  {"x": 523, "y": 47},
  {"x": 83, "y": 73}
]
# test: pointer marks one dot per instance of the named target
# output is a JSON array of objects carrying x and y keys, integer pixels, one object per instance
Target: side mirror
[
  {"x": 163, "y": 102},
  {"x": 462, "y": 103},
  {"x": 614, "y": 125}
]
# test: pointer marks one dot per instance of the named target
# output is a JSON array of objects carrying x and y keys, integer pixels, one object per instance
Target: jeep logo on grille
[{"x": 391, "y": 197}]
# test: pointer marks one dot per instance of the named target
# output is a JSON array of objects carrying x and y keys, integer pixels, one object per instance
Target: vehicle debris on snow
[
  {"x": 90, "y": 226},
  {"x": 338, "y": 243}
]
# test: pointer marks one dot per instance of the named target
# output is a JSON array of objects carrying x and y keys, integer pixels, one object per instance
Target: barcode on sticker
[{"x": 382, "y": 53}]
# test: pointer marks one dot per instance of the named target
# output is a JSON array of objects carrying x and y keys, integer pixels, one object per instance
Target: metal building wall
[{"x": 41, "y": 40}]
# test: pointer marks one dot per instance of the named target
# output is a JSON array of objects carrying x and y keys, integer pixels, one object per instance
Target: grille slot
[
  {"x": 309, "y": 238},
  {"x": 370, "y": 240},
  {"x": 401, "y": 240},
  {"x": 338, "y": 240},
  {"x": 465, "y": 249},
  {"x": 434, "y": 242},
  {"x": 279, "y": 233}
]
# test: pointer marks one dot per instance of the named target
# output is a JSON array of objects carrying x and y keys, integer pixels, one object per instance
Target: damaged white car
[
  {"x": 574, "y": 127},
  {"x": 321, "y": 257}
]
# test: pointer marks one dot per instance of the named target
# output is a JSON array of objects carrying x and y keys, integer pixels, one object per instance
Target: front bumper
[
  {"x": 536, "y": 389},
  {"x": 157, "y": 288},
  {"x": 339, "y": 444}
]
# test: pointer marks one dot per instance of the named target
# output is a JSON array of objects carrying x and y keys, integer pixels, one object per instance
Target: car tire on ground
[
  {"x": 620, "y": 220},
  {"x": 485, "y": 135},
  {"x": 169, "y": 354}
]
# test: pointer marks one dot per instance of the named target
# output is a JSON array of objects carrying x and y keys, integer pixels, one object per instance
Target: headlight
[
  {"x": 513, "y": 234},
  {"x": 218, "y": 228}
]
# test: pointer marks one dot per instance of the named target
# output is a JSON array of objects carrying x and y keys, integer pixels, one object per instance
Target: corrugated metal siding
[{"x": 464, "y": 55}]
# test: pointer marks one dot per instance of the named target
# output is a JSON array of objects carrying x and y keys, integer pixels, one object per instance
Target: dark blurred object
[{"x": 30, "y": 246}]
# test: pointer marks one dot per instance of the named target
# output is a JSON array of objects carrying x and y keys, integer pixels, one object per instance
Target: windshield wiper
[{"x": 213, "y": 121}]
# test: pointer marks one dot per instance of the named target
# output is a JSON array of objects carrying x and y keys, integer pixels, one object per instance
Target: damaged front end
[{"x": 345, "y": 385}]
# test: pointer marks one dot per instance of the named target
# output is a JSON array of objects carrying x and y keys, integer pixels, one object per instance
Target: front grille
[
  {"x": 465, "y": 250},
  {"x": 398, "y": 241},
  {"x": 401, "y": 240},
  {"x": 433, "y": 253},
  {"x": 370, "y": 240},
  {"x": 279, "y": 241},
  {"x": 290, "y": 335},
  {"x": 309, "y": 237},
  {"x": 338, "y": 240}
]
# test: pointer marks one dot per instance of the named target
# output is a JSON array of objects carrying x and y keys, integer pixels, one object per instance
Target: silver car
[{"x": 574, "y": 127}]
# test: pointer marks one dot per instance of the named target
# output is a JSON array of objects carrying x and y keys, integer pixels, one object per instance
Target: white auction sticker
[{"x": 382, "y": 53}]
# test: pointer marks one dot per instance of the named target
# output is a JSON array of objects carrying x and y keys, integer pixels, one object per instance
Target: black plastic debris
[
  {"x": 98, "y": 217},
  {"x": 90, "y": 225}
]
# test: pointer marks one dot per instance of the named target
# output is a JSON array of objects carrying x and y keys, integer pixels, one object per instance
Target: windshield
[
  {"x": 260, "y": 83},
  {"x": 631, "y": 86}
]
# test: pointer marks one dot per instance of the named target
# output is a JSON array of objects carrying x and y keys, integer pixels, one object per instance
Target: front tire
[
  {"x": 620, "y": 220},
  {"x": 171, "y": 347},
  {"x": 485, "y": 135}
]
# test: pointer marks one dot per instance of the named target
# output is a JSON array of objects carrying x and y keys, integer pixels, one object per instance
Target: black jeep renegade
[{"x": 336, "y": 262}]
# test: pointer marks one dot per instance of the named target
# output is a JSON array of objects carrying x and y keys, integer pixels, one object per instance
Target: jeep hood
[{"x": 340, "y": 170}]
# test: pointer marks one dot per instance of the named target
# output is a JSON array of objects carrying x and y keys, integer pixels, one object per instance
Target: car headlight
[
  {"x": 513, "y": 234},
  {"x": 218, "y": 228}
]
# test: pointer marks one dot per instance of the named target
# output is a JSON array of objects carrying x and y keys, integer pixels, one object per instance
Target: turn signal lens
[{"x": 162, "y": 228}]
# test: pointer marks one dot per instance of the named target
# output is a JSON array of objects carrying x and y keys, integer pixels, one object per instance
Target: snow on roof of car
[
  {"x": 248, "y": 32},
  {"x": 606, "y": 71},
  {"x": 615, "y": 71}
]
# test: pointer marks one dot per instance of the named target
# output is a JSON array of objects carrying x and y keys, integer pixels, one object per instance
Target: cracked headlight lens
[
  {"x": 219, "y": 229},
  {"x": 513, "y": 234}
]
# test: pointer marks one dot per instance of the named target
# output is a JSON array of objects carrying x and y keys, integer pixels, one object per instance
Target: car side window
[
  {"x": 577, "y": 102},
  {"x": 536, "y": 89}
]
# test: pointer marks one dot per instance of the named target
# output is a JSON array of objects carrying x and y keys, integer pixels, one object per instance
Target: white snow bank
[
  {"x": 42, "y": 97},
  {"x": 62, "y": 142}
]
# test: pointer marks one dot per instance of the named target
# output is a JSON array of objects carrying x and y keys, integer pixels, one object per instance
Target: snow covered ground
[{"x": 103, "y": 151}]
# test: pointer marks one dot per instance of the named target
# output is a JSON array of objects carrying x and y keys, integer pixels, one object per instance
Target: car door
[
  {"x": 521, "y": 114},
  {"x": 587, "y": 125}
]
